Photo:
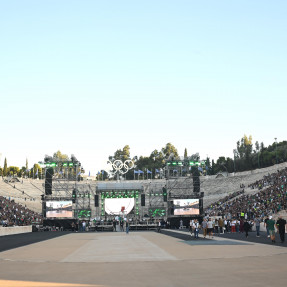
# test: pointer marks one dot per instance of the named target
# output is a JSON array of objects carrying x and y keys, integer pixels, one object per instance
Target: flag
[
  {"x": 89, "y": 174},
  {"x": 200, "y": 169},
  {"x": 98, "y": 172},
  {"x": 135, "y": 171},
  {"x": 148, "y": 171},
  {"x": 60, "y": 172},
  {"x": 103, "y": 172},
  {"x": 36, "y": 172},
  {"x": 140, "y": 171},
  {"x": 156, "y": 170},
  {"x": 79, "y": 172}
]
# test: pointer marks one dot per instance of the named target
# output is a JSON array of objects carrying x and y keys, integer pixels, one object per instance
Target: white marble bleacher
[
  {"x": 31, "y": 198},
  {"x": 217, "y": 188}
]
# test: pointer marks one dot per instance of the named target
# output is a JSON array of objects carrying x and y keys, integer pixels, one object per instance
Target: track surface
[
  {"x": 171, "y": 258},
  {"x": 17, "y": 240}
]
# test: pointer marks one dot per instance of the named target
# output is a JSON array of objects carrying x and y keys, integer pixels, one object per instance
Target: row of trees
[
  {"x": 249, "y": 157},
  {"x": 246, "y": 157},
  {"x": 34, "y": 172}
]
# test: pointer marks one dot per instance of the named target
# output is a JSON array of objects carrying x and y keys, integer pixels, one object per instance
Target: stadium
[
  {"x": 175, "y": 111},
  {"x": 142, "y": 202}
]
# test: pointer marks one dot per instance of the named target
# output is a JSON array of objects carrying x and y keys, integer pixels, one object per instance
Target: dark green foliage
[{"x": 5, "y": 169}]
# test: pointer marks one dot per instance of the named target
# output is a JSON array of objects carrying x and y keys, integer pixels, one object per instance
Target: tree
[
  {"x": 257, "y": 150},
  {"x": 195, "y": 157},
  {"x": 22, "y": 171},
  {"x": 244, "y": 150},
  {"x": 37, "y": 170},
  {"x": 13, "y": 170},
  {"x": 5, "y": 169},
  {"x": 169, "y": 150},
  {"x": 59, "y": 156},
  {"x": 27, "y": 164},
  {"x": 257, "y": 146},
  {"x": 185, "y": 153},
  {"x": 212, "y": 167},
  {"x": 207, "y": 166},
  {"x": 156, "y": 159},
  {"x": 221, "y": 164},
  {"x": 244, "y": 146},
  {"x": 122, "y": 155}
]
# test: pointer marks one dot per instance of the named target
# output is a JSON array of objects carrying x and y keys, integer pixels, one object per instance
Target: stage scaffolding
[
  {"x": 156, "y": 200},
  {"x": 63, "y": 182},
  {"x": 153, "y": 199}
]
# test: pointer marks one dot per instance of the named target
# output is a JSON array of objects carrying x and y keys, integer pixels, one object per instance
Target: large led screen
[
  {"x": 186, "y": 206},
  {"x": 60, "y": 208},
  {"x": 116, "y": 206}
]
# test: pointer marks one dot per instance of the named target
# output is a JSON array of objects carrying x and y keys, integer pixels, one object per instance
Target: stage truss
[{"x": 65, "y": 184}]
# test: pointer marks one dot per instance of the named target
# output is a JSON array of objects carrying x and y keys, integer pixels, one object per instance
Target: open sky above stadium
[{"x": 89, "y": 77}]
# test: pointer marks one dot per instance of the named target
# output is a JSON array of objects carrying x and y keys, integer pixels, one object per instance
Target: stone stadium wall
[{"x": 15, "y": 230}]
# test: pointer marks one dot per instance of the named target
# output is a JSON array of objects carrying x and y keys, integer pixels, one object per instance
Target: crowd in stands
[
  {"x": 12, "y": 213},
  {"x": 267, "y": 180},
  {"x": 270, "y": 199},
  {"x": 230, "y": 196}
]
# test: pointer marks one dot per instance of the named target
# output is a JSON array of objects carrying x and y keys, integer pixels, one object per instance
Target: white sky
[{"x": 90, "y": 77}]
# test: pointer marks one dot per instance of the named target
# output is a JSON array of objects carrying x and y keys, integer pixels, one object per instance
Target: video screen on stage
[
  {"x": 157, "y": 212},
  {"x": 186, "y": 206},
  {"x": 59, "y": 208},
  {"x": 83, "y": 213},
  {"x": 117, "y": 206}
]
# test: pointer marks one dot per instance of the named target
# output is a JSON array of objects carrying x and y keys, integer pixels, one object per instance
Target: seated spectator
[{"x": 12, "y": 213}]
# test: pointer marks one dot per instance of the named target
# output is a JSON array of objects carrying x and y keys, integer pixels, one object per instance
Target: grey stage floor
[{"x": 142, "y": 259}]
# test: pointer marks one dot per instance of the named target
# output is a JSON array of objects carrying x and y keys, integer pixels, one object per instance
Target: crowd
[
  {"x": 270, "y": 199},
  {"x": 220, "y": 225},
  {"x": 12, "y": 213},
  {"x": 230, "y": 196}
]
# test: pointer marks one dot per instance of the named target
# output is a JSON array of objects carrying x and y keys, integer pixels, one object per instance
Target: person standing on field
[{"x": 271, "y": 228}]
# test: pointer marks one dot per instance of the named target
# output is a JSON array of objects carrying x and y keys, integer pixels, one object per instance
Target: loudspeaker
[
  {"x": 142, "y": 199},
  {"x": 74, "y": 196},
  {"x": 196, "y": 181},
  {"x": 196, "y": 184},
  {"x": 164, "y": 193},
  {"x": 171, "y": 206},
  {"x": 200, "y": 206},
  {"x": 96, "y": 200},
  {"x": 48, "y": 181},
  {"x": 44, "y": 209}
]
